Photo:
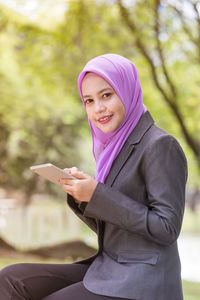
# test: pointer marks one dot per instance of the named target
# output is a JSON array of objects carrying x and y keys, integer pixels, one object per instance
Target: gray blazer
[{"x": 137, "y": 215}]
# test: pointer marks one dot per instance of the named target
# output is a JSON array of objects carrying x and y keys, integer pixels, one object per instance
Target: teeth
[{"x": 105, "y": 118}]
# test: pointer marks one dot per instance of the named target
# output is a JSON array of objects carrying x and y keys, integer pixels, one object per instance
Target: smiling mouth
[{"x": 105, "y": 119}]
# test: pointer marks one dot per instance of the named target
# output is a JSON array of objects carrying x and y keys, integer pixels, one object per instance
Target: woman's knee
[
  {"x": 11, "y": 284},
  {"x": 11, "y": 272}
]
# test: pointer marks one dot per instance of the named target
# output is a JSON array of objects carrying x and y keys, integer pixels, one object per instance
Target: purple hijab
[{"x": 122, "y": 75}]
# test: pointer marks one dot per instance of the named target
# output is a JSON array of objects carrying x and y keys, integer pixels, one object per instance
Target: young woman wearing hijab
[{"x": 135, "y": 203}]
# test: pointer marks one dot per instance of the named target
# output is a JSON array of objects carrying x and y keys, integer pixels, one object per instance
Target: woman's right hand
[{"x": 82, "y": 187}]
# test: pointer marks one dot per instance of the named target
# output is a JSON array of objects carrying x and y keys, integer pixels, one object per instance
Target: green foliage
[
  {"x": 41, "y": 118},
  {"x": 166, "y": 35}
]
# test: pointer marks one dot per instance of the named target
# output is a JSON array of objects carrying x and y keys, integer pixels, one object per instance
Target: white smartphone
[{"x": 51, "y": 172}]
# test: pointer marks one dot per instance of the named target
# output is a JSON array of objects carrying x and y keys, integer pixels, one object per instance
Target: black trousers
[{"x": 26, "y": 281}]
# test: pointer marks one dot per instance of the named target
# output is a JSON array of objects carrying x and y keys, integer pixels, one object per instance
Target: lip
[{"x": 105, "y": 121}]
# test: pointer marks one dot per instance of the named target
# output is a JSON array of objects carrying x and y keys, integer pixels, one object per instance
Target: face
[{"x": 103, "y": 106}]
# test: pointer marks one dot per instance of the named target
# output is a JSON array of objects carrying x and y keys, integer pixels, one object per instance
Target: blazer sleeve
[
  {"x": 165, "y": 173},
  {"x": 78, "y": 209}
]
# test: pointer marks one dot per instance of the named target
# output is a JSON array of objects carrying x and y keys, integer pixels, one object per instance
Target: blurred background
[{"x": 44, "y": 44}]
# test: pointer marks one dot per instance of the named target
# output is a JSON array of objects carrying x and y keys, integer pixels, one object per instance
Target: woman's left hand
[{"x": 80, "y": 188}]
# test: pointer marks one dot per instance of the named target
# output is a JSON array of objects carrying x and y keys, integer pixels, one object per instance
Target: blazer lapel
[
  {"x": 145, "y": 122},
  {"x": 119, "y": 162}
]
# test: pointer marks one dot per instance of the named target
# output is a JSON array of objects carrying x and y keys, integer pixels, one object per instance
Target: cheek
[
  {"x": 121, "y": 110},
  {"x": 119, "y": 107},
  {"x": 89, "y": 113}
]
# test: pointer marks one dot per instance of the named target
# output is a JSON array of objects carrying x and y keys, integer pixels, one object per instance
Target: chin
[{"x": 107, "y": 130}]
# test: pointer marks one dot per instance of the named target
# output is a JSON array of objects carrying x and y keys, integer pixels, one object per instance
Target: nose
[{"x": 99, "y": 107}]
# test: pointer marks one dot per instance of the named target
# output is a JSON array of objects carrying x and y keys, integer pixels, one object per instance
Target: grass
[
  {"x": 21, "y": 258},
  {"x": 191, "y": 290}
]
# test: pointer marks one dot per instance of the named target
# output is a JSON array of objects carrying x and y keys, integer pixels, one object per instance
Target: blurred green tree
[
  {"x": 40, "y": 105},
  {"x": 41, "y": 118},
  {"x": 168, "y": 37},
  {"x": 38, "y": 118}
]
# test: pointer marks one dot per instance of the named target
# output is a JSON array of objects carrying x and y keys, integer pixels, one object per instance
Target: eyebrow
[{"x": 101, "y": 91}]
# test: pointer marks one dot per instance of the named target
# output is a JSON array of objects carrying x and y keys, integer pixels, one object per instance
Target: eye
[
  {"x": 87, "y": 101},
  {"x": 106, "y": 95}
]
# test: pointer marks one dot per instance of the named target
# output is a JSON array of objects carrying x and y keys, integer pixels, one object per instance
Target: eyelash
[
  {"x": 106, "y": 94},
  {"x": 86, "y": 101}
]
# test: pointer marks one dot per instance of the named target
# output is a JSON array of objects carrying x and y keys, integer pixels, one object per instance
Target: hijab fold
[{"x": 122, "y": 75}]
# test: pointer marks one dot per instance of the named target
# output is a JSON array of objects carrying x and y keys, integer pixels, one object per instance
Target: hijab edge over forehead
[{"x": 97, "y": 72}]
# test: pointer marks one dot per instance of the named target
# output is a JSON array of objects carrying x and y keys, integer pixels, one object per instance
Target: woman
[{"x": 135, "y": 203}]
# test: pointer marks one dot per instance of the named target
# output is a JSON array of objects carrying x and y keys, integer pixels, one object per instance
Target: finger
[
  {"x": 67, "y": 188},
  {"x": 69, "y": 170},
  {"x": 79, "y": 174},
  {"x": 67, "y": 181},
  {"x": 73, "y": 169}
]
